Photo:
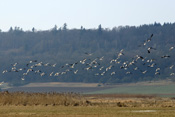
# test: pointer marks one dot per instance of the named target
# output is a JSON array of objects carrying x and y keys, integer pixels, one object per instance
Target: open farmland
[
  {"x": 20, "y": 104},
  {"x": 62, "y": 111},
  {"x": 58, "y": 87},
  {"x": 158, "y": 89},
  {"x": 164, "y": 88},
  {"x": 146, "y": 99}
]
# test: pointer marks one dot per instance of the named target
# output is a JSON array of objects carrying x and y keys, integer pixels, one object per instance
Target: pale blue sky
[{"x": 44, "y": 14}]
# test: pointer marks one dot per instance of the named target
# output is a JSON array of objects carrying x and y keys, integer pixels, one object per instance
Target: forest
[{"x": 119, "y": 55}]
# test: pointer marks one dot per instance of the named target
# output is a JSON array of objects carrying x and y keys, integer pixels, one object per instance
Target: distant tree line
[{"x": 67, "y": 46}]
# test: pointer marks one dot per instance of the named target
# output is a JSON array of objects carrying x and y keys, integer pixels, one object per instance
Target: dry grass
[
  {"x": 21, "y": 104},
  {"x": 61, "y": 84},
  {"x": 54, "y": 99},
  {"x": 128, "y": 100},
  {"x": 83, "y": 111},
  {"x": 73, "y": 99},
  {"x": 75, "y": 84}
]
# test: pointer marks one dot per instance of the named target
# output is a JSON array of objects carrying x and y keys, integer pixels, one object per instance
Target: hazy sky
[{"x": 44, "y": 14}]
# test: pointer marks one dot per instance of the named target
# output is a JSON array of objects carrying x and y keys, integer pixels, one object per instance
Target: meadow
[
  {"x": 166, "y": 90},
  {"x": 22, "y": 104},
  {"x": 143, "y": 99},
  {"x": 90, "y": 111},
  {"x": 161, "y": 88}
]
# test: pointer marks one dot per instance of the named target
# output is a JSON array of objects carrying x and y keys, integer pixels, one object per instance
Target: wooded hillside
[{"x": 121, "y": 54}]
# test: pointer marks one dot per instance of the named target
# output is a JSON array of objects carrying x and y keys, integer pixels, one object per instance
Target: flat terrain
[
  {"x": 159, "y": 88},
  {"x": 21, "y": 104},
  {"x": 163, "y": 88},
  {"x": 98, "y": 106},
  {"x": 90, "y": 111}
]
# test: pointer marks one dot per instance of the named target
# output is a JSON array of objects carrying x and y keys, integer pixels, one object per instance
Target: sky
[{"x": 45, "y": 14}]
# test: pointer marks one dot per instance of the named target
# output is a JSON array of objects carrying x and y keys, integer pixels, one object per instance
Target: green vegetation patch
[
  {"x": 62, "y": 111},
  {"x": 163, "y": 90}
]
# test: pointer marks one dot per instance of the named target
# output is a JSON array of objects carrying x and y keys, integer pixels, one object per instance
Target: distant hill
[{"x": 121, "y": 54}]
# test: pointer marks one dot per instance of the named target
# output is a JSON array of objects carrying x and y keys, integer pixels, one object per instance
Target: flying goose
[
  {"x": 150, "y": 48},
  {"x": 171, "y": 48},
  {"x": 165, "y": 56}
]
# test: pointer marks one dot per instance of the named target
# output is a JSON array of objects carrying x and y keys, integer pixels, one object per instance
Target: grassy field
[
  {"x": 61, "y": 84},
  {"x": 21, "y": 104},
  {"x": 89, "y": 111},
  {"x": 164, "y": 88},
  {"x": 159, "y": 90},
  {"x": 144, "y": 99}
]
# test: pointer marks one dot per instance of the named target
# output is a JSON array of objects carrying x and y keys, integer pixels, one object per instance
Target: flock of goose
[{"x": 95, "y": 65}]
